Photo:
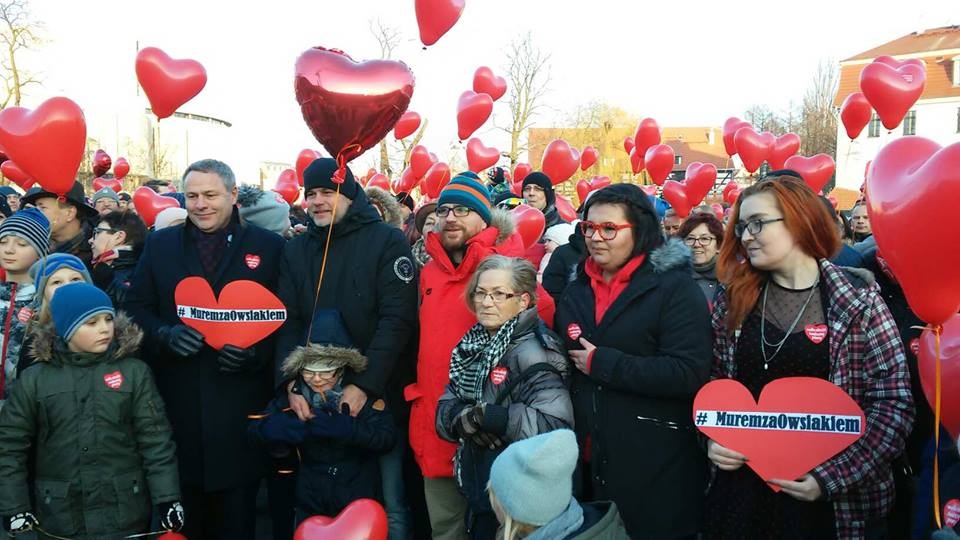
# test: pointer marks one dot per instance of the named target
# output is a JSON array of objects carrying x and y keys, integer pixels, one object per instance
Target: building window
[
  {"x": 677, "y": 160},
  {"x": 910, "y": 123},
  {"x": 874, "y": 129}
]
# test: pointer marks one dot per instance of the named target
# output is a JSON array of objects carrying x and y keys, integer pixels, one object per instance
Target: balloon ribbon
[
  {"x": 937, "y": 330},
  {"x": 326, "y": 246}
]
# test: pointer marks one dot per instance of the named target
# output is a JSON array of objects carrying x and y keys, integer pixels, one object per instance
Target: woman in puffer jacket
[{"x": 506, "y": 381}]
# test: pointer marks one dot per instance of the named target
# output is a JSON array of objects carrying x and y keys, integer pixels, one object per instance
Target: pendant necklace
[{"x": 763, "y": 324}]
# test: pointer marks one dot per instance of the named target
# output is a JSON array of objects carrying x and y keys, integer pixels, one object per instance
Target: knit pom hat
[
  {"x": 74, "y": 304},
  {"x": 31, "y": 225},
  {"x": 542, "y": 180},
  {"x": 533, "y": 478},
  {"x": 265, "y": 209},
  {"x": 467, "y": 190},
  {"x": 105, "y": 193},
  {"x": 319, "y": 174},
  {"x": 41, "y": 270}
]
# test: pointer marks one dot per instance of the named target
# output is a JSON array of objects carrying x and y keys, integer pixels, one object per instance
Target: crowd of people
[{"x": 476, "y": 387}]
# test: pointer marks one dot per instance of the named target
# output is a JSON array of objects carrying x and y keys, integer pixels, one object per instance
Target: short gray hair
[
  {"x": 211, "y": 166},
  {"x": 523, "y": 277}
]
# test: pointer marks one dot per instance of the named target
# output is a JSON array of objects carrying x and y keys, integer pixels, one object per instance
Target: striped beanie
[
  {"x": 31, "y": 225},
  {"x": 467, "y": 190},
  {"x": 73, "y": 304}
]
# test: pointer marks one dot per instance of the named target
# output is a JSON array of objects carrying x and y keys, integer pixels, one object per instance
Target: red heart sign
[
  {"x": 473, "y": 110},
  {"x": 815, "y": 170},
  {"x": 149, "y": 203},
  {"x": 485, "y": 82},
  {"x": 101, "y": 163},
  {"x": 730, "y": 128},
  {"x": 112, "y": 183},
  {"x": 304, "y": 159},
  {"x": 530, "y": 224},
  {"x": 658, "y": 161},
  {"x": 855, "y": 113},
  {"x": 436, "y": 17},
  {"x": 588, "y": 157},
  {"x": 816, "y": 332},
  {"x": 480, "y": 157},
  {"x": 559, "y": 161},
  {"x": 47, "y": 142},
  {"x": 754, "y": 148},
  {"x": 408, "y": 123},
  {"x": 585, "y": 186},
  {"x": 520, "y": 171},
  {"x": 784, "y": 146},
  {"x": 120, "y": 168},
  {"x": 437, "y": 177},
  {"x": 797, "y": 424},
  {"x": 15, "y": 174},
  {"x": 244, "y": 315},
  {"x": 363, "y": 519},
  {"x": 349, "y": 106},
  {"x": 892, "y": 90},
  {"x": 168, "y": 83},
  {"x": 287, "y": 186}
]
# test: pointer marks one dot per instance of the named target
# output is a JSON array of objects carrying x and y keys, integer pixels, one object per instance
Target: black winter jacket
[{"x": 562, "y": 268}]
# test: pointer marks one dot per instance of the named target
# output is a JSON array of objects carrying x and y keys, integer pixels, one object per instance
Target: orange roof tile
[{"x": 932, "y": 40}]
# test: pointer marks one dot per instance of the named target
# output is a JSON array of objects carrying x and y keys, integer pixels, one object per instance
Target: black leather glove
[
  {"x": 20, "y": 523},
  {"x": 465, "y": 424},
  {"x": 486, "y": 440},
  {"x": 181, "y": 339},
  {"x": 171, "y": 516},
  {"x": 236, "y": 360}
]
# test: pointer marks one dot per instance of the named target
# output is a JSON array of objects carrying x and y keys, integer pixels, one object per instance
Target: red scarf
[{"x": 605, "y": 292}]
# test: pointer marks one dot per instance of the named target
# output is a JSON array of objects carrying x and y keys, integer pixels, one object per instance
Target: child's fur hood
[
  {"x": 673, "y": 254},
  {"x": 387, "y": 203},
  {"x": 308, "y": 354},
  {"x": 127, "y": 337},
  {"x": 503, "y": 221}
]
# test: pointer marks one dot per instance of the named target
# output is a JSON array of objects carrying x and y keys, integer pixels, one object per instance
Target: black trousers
[{"x": 220, "y": 515}]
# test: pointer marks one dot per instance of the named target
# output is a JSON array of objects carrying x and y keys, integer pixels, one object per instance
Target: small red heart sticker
[
  {"x": 951, "y": 513},
  {"x": 245, "y": 313},
  {"x": 113, "y": 380},
  {"x": 253, "y": 261},
  {"x": 573, "y": 331},
  {"x": 498, "y": 375},
  {"x": 816, "y": 332},
  {"x": 915, "y": 346}
]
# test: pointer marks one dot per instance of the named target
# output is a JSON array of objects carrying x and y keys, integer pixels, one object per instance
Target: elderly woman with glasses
[
  {"x": 703, "y": 234},
  {"x": 638, "y": 330},
  {"x": 506, "y": 381}
]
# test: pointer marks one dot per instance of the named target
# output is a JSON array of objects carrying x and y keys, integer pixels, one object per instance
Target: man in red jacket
[{"x": 468, "y": 231}]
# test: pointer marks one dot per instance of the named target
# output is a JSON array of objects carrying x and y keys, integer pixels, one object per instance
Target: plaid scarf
[{"x": 474, "y": 357}]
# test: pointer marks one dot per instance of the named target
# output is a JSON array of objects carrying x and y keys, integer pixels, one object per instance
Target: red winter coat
[{"x": 444, "y": 319}]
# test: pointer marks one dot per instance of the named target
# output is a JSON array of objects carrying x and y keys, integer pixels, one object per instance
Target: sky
[{"x": 684, "y": 63}]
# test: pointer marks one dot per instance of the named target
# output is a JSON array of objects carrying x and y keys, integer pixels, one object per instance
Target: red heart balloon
[
  {"x": 15, "y": 174},
  {"x": 855, "y": 113},
  {"x": 754, "y": 148},
  {"x": 646, "y": 136},
  {"x": 815, "y": 170},
  {"x": 101, "y": 163},
  {"x": 565, "y": 208},
  {"x": 437, "y": 177},
  {"x": 717, "y": 210},
  {"x": 408, "y": 123},
  {"x": 149, "y": 203},
  {"x": 112, "y": 183},
  {"x": 405, "y": 183},
  {"x": 473, "y": 110},
  {"x": 588, "y": 157},
  {"x": 649, "y": 189},
  {"x": 304, "y": 159},
  {"x": 892, "y": 90},
  {"x": 912, "y": 184},
  {"x": 786, "y": 452},
  {"x": 674, "y": 194},
  {"x": 349, "y": 106},
  {"x": 168, "y": 83},
  {"x": 436, "y": 17},
  {"x": 170, "y": 535},
  {"x": 658, "y": 161},
  {"x": 784, "y": 146},
  {"x": 121, "y": 168},
  {"x": 730, "y": 128},
  {"x": 684, "y": 196},
  {"x": 245, "y": 314},
  {"x": 485, "y": 82},
  {"x": 730, "y": 196},
  {"x": 530, "y": 224},
  {"x": 420, "y": 161},
  {"x": 520, "y": 171},
  {"x": 363, "y": 519},
  {"x": 47, "y": 142},
  {"x": 287, "y": 186},
  {"x": 636, "y": 160},
  {"x": 949, "y": 371},
  {"x": 585, "y": 186},
  {"x": 628, "y": 145},
  {"x": 894, "y": 63},
  {"x": 480, "y": 157},
  {"x": 559, "y": 161},
  {"x": 379, "y": 180}
]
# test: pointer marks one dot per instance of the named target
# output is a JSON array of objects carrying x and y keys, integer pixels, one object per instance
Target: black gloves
[
  {"x": 332, "y": 424},
  {"x": 283, "y": 427},
  {"x": 236, "y": 360},
  {"x": 181, "y": 339},
  {"x": 171, "y": 516},
  {"x": 469, "y": 426},
  {"x": 20, "y": 523},
  {"x": 465, "y": 425}
]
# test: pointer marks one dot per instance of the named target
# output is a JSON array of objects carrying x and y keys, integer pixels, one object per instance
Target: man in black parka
[{"x": 208, "y": 393}]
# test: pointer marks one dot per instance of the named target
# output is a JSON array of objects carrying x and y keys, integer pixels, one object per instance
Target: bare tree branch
[
  {"x": 529, "y": 79},
  {"x": 18, "y": 32}
]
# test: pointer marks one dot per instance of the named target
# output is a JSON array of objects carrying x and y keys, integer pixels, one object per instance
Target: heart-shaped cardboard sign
[
  {"x": 798, "y": 423},
  {"x": 363, "y": 519},
  {"x": 245, "y": 313}
]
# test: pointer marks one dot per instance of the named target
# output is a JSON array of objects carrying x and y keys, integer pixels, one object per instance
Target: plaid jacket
[{"x": 867, "y": 361}]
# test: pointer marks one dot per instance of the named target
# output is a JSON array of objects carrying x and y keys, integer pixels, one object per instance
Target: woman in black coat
[{"x": 638, "y": 331}]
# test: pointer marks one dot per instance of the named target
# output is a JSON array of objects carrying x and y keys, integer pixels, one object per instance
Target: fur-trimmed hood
[
  {"x": 672, "y": 254},
  {"x": 387, "y": 203},
  {"x": 337, "y": 357},
  {"x": 503, "y": 221},
  {"x": 126, "y": 342}
]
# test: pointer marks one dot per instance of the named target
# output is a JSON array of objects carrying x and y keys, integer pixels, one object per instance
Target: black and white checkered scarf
[{"x": 474, "y": 357}]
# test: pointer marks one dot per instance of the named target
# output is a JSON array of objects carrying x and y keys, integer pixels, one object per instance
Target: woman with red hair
[{"x": 786, "y": 311}]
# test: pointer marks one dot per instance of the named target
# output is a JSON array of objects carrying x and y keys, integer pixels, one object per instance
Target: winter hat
[
  {"x": 124, "y": 196},
  {"x": 31, "y": 225},
  {"x": 467, "y": 190},
  {"x": 330, "y": 347},
  {"x": 319, "y": 174},
  {"x": 405, "y": 199},
  {"x": 542, "y": 180},
  {"x": 105, "y": 193},
  {"x": 264, "y": 209},
  {"x": 559, "y": 233},
  {"x": 74, "y": 304},
  {"x": 5, "y": 209},
  {"x": 41, "y": 270},
  {"x": 533, "y": 478},
  {"x": 495, "y": 175},
  {"x": 420, "y": 214},
  {"x": 75, "y": 196},
  {"x": 167, "y": 216},
  {"x": 6, "y": 191}
]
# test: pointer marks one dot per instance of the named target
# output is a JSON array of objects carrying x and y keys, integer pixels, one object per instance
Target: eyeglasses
[
  {"x": 458, "y": 211},
  {"x": 307, "y": 374},
  {"x": 608, "y": 231},
  {"x": 498, "y": 297},
  {"x": 98, "y": 230},
  {"x": 702, "y": 240},
  {"x": 754, "y": 226}
]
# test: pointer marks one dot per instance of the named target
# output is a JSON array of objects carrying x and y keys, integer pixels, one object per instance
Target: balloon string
[
  {"x": 936, "y": 431},
  {"x": 141, "y": 535},
  {"x": 326, "y": 248}
]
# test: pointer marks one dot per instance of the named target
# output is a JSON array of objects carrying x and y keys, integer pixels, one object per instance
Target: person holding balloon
[{"x": 785, "y": 310}]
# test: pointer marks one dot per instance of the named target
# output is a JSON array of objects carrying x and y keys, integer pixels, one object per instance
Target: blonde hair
[{"x": 512, "y": 529}]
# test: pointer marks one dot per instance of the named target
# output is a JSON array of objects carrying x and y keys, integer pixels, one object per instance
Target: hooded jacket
[
  {"x": 388, "y": 205},
  {"x": 104, "y": 449},
  {"x": 15, "y": 300},
  {"x": 114, "y": 275},
  {"x": 444, "y": 319}
]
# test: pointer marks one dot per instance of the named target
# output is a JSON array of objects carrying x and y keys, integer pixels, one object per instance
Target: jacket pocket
[
  {"x": 133, "y": 501},
  {"x": 56, "y": 511}
]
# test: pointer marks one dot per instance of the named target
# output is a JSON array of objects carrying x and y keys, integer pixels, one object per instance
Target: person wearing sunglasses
[
  {"x": 786, "y": 311},
  {"x": 637, "y": 329},
  {"x": 703, "y": 234}
]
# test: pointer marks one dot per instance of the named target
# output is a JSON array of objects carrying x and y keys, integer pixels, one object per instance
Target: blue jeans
[{"x": 394, "y": 497}]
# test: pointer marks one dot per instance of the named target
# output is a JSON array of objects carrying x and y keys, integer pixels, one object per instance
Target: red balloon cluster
[
  {"x": 754, "y": 148},
  {"x": 379, "y": 180},
  {"x": 730, "y": 128},
  {"x": 437, "y": 177},
  {"x": 168, "y": 83},
  {"x": 685, "y": 195},
  {"x": 585, "y": 186}
]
